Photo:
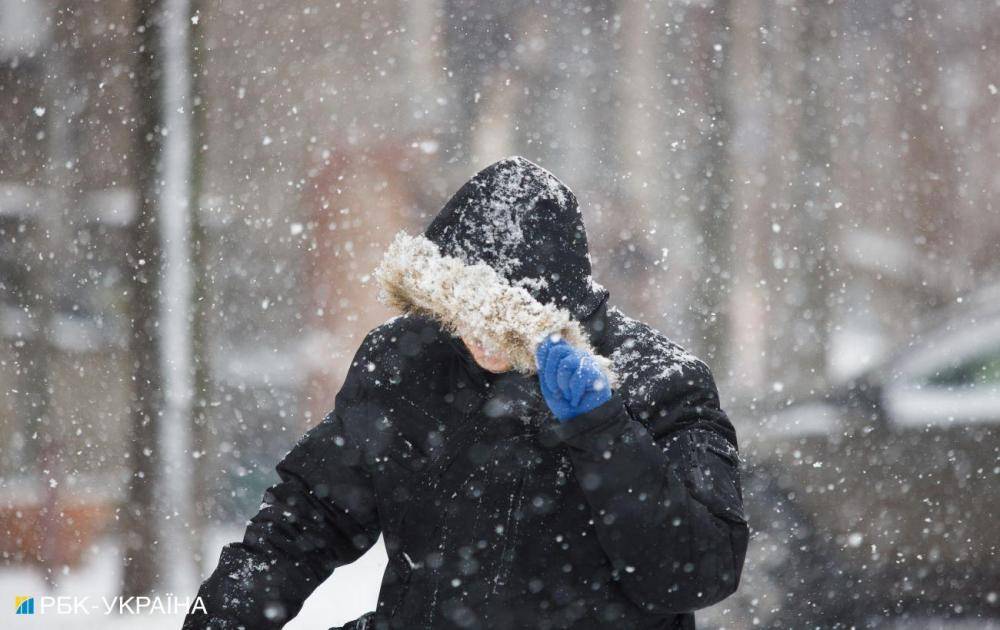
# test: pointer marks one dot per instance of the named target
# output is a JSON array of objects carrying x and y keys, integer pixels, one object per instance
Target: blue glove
[{"x": 570, "y": 379}]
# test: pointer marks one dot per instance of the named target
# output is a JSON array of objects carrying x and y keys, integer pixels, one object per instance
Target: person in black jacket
[{"x": 593, "y": 484}]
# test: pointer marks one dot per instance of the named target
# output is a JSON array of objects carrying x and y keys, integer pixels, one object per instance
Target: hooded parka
[{"x": 494, "y": 513}]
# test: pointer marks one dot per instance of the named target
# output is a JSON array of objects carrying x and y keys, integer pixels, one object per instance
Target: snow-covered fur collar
[{"x": 474, "y": 300}]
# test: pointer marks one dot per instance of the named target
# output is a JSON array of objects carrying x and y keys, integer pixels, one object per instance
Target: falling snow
[{"x": 795, "y": 200}]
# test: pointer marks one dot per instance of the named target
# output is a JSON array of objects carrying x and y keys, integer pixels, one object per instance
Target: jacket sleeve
[
  {"x": 664, "y": 493},
  {"x": 319, "y": 516}
]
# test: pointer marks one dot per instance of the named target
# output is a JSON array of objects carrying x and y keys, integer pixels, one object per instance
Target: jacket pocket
[{"x": 713, "y": 474}]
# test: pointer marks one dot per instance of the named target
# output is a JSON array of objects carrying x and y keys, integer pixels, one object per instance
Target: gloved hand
[{"x": 570, "y": 379}]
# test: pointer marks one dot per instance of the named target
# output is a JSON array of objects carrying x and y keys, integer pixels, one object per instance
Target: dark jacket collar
[
  {"x": 596, "y": 325},
  {"x": 479, "y": 375}
]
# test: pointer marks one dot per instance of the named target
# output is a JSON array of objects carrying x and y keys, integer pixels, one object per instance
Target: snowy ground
[{"x": 350, "y": 592}]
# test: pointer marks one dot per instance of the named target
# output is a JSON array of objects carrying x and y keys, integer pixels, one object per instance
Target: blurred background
[{"x": 193, "y": 194}]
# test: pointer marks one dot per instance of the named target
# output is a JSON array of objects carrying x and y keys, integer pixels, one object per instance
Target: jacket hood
[{"x": 505, "y": 260}]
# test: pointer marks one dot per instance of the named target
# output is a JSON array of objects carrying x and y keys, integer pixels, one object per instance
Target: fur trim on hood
[{"x": 475, "y": 300}]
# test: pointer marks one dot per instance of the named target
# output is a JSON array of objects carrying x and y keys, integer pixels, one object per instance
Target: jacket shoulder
[
  {"x": 649, "y": 364},
  {"x": 391, "y": 349}
]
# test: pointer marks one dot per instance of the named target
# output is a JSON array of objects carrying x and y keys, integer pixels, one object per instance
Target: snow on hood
[{"x": 505, "y": 261}]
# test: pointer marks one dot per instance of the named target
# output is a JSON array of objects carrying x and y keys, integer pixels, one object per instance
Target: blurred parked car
[{"x": 880, "y": 498}]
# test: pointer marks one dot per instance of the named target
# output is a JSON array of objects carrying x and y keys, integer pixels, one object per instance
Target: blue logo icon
[{"x": 24, "y": 605}]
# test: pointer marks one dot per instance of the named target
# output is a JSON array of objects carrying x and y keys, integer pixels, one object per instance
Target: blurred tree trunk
[
  {"x": 928, "y": 161},
  {"x": 605, "y": 163},
  {"x": 713, "y": 214},
  {"x": 632, "y": 139},
  {"x": 61, "y": 179},
  {"x": 750, "y": 146},
  {"x": 812, "y": 203},
  {"x": 613, "y": 235},
  {"x": 142, "y": 568},
  {"x": 200, "y": 435},
  {"x": 473, "y": 52},
  {"x": 175, "y": 295}
]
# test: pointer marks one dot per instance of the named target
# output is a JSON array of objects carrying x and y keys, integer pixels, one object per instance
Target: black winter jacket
[{"x": 495, "y": 514}]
